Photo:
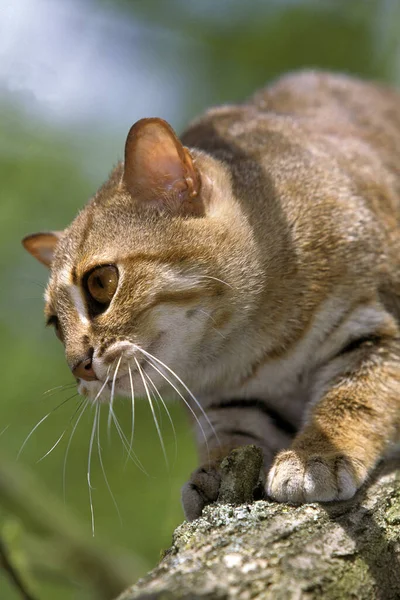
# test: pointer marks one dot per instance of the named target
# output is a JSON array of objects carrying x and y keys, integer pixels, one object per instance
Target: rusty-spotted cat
[{"x": 253, "y": 266}]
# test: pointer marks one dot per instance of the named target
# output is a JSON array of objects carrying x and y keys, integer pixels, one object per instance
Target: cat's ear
[
  {"x": 42, "y": 245},
  {"x": 159, "y": 171}
]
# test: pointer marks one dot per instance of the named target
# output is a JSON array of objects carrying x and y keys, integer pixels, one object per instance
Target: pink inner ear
[{"x": 157, "y": 166}]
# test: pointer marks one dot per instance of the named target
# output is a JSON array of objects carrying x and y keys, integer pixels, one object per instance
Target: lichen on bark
[{"x": 340, "y": 550}]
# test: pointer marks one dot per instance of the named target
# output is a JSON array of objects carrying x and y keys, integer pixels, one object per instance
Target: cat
[{"x": 252, "y": 268}]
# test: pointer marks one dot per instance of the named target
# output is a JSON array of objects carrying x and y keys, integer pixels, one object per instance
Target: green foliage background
[{"x": 47, "y": 171}]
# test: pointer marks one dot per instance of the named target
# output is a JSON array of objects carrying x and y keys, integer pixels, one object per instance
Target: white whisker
[
  {"x": 69, "y": 444},
  {"x": 166, "y": 410},
  {"x": 60, "y": 387},
  {"x": 102, "y": 388},
  {"x": 153, "y": 412},
  {"x": 133, "y": 413},
  {"x": 62, "y": 435},
  {"x": 201, "y": 409},
  {"x": 89, "y": 465},
  {"x": 4, "y": 429},
  {"x": 125, "y": 444},
  {"x": 184, "y": 400},
  {"x": 39, "y": 423},
  {"x": 214, "y": 278},
  {"x": 53, "y": 446},
  {"x": 213, "y": 320},
  {"x": 112, "y": 395},
  {"x": 102, "y": 466}
]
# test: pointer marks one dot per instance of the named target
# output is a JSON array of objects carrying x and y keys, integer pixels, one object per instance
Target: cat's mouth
[
  {"x": 121, "y": 380},
  {"x": 126, "y": 374},
  {"x": 126, "y": 378}
]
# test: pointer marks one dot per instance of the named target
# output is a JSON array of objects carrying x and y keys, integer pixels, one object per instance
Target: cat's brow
[{"x": 168, "y": 256}]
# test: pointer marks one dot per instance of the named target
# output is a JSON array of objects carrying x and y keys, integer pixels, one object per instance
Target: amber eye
[{"x": 102, "y": 284}]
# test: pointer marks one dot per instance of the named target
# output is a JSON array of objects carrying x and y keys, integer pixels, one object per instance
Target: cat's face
[{"x": 140, "y": 287}]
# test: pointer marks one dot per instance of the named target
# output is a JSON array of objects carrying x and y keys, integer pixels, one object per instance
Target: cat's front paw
[
  {"x": 201, "y": 489},
  {"x": 297, "y": 477}
]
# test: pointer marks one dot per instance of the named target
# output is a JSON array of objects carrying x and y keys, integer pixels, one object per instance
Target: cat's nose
[{"x": 84, "y": 370}]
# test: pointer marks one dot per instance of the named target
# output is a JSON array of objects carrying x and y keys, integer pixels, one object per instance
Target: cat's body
[{"x": 263, "y": 267}]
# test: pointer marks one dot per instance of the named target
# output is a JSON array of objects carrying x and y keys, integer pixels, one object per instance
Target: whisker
[
  {"x": 133, "y": 412},
  {"x": 60, "y": 387},
  {"x": 102, "y": 387},
  {"x": 40, "y": 422},
  {"x": 89, "y": 465},
  {"x": 166, "y": 410},
  {"x": 53, "y": 446},
  {"x": 86, "y": 404},
  {"x": 131, "y": 454},
  {"x": 112, "y": 396},
  {"x": 59, "y": 391},
  {"x": 201, "y": 409},
  {"x": 214, "y": 278},
  {"x": 28, "y": 280},
  {"x": 184, "y": 400},
  {"x": 120, "y": 432},
  {"x": 153, "y": 412},
  {"x": 124, "y": 441},
  {"x": 102, "y": 466},
  {"x": 213, "y": 320},
  {"x": 4, "y": 429},
  {"x": 63, "y": 433}
]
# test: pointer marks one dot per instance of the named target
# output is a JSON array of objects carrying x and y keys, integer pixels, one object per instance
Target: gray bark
[{"x": 340, "y": 550}]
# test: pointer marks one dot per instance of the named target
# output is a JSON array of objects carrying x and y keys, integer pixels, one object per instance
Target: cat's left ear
[
  {"x": 159, "y": 171},
  {"x": 42, "y": 245}
]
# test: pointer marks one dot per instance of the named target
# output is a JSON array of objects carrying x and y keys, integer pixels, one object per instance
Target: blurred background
[{"x": 74, "y": 76}]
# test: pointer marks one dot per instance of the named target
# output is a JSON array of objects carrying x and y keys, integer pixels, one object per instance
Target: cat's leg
[
  {"x": 353, "y": 421},
  {"x": 229, "y": 424}
]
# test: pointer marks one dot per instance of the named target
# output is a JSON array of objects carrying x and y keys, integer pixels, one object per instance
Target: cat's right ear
[
  {"x": 42, "y": 245},
  {"x": 159, "y": 171}
]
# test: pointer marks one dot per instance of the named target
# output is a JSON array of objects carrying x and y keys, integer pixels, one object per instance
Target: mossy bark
[{"x": 336, "y": 551}]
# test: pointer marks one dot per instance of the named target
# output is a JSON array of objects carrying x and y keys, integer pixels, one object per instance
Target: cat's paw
[
  {"x": 297, "y": 477},
  {"x": 201, "y": 489}
]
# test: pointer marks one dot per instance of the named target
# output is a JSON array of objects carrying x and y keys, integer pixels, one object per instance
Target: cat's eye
[
  {"x": 53, "y": 320},
  {"x": 102, "y": 283}
]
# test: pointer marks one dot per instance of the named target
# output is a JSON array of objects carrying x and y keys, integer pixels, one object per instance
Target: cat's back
[
  {"x": 303, "y": 107},
  {"x": 334, "y": 98},
  {"x": 312, "y": 133},
  {"x": 338, "y": 105}
]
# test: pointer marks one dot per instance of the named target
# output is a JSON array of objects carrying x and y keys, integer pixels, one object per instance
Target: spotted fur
[{"x": 259, "y": 260}]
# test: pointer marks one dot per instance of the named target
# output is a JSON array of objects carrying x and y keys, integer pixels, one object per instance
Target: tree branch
[
  {"x": 275, "y": 551},
  {"x": 12, "y": 572}
]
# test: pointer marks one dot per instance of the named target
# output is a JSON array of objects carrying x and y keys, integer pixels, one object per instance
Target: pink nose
[{"x": 84, "y": 370}]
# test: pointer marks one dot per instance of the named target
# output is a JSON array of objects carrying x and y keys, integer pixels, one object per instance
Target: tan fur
[{"x": 253, "y": 285}]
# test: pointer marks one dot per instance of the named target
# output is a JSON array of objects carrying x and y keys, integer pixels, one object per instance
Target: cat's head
[{"x": 143, "y": 282}]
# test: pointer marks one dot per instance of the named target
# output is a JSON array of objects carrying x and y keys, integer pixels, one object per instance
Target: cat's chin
[{"x": 94, "y": 391}]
